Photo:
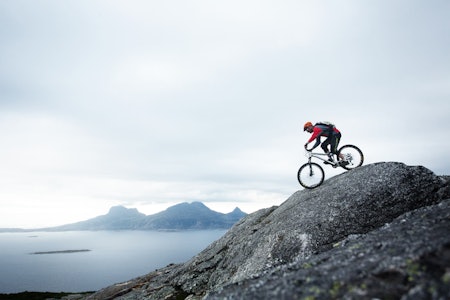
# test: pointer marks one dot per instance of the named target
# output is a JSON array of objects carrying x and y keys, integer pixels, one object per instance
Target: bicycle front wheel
[
  {"x": 310, "y": 175},
  {"x": 353, "y": 157}
]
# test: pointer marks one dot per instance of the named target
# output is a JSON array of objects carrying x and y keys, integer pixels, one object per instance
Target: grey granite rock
[
  {"x": 408, "y": 258},
  {"x": 266, "y": 248}
]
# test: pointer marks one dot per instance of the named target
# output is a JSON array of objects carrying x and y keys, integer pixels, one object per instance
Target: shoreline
[{"x": 43, "y": 295}]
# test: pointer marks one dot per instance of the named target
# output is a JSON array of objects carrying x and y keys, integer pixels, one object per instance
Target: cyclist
[{"x": 328, "y": 130}]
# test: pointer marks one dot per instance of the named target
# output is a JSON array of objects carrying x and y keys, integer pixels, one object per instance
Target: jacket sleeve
[
  {"x": 316, "y": 135},
  {"x": 316, "y": 143}
]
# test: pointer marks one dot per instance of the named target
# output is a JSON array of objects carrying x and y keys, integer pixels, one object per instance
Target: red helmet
[{"x": 307, "y": 124}]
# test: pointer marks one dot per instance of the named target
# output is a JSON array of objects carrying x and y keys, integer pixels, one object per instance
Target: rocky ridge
[{"x": 379, "y": 231}]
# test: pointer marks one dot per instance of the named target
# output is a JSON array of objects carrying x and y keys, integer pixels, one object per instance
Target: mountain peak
[
  {"x": 195, "y": 215},
  {"x": 121, "y": 210},
  {"x": 237, "y": 210},
  {"x": 236, "y": 214},
  {"x": 185, "y": 206}
]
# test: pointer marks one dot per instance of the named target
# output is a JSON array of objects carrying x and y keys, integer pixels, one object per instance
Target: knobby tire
[
  {"x": 310, "y": 175},
  {"x": 357, "y": 157}
]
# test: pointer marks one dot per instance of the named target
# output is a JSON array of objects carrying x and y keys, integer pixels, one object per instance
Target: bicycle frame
[{"x": 310, "y": 155}]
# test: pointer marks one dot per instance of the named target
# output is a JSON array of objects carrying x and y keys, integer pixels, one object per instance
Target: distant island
[
  {"x": 183, "y": 216},
  {"x": 60, "y": 251}
]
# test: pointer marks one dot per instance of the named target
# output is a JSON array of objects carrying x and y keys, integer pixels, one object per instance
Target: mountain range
[{"x": 183, "y": 216}]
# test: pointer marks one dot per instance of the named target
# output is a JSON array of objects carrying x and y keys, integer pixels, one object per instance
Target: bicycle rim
[
  {"x": 352, "y": 155},
  {"x": 310, "y": 175}
]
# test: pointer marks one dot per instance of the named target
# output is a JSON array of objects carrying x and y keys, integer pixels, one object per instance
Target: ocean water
[{"x": 115, "y": 256}]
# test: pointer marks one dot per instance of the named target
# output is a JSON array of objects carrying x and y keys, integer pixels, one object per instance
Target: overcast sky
[{"x": 151, "y": 103}]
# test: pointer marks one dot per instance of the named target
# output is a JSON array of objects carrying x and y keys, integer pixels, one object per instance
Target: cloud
[{"x": 152, "y": 103}]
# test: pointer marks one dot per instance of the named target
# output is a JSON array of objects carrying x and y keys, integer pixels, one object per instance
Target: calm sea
[{"x": 115, "y": 256}]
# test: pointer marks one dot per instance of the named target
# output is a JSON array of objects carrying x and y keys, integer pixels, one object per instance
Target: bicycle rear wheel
[
  {"x": 353, "y": 157},
  {"x": 310, "y": 175}
]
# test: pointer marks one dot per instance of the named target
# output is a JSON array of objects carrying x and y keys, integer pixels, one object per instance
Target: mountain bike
[{"x": 311, "y": 174}]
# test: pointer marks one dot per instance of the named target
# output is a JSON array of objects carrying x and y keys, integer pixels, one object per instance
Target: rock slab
[{"x": 380, "y": 227}]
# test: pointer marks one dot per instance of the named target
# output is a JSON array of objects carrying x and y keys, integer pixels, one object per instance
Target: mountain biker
[{"x": 328, "y": 130}]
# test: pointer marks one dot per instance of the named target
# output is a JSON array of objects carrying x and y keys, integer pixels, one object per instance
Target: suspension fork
[{"x": 311, "y": 172}]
